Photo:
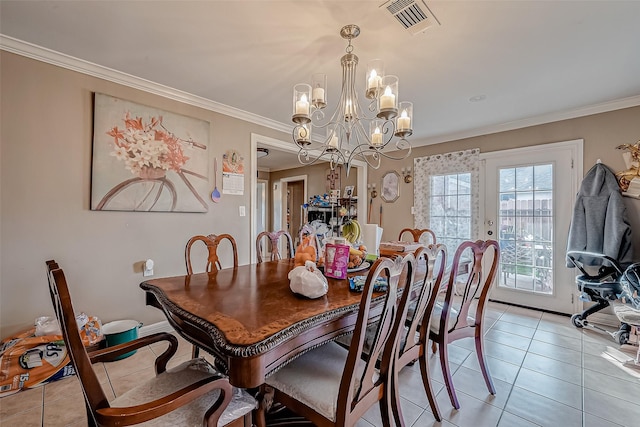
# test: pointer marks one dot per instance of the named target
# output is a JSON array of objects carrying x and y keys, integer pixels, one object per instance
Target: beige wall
[
  {"x": 601, "y": 134},
  {"x": 45, "y": 171},
  {"x": 46, "y": 140},
  {"x": 317, "y": 178}
]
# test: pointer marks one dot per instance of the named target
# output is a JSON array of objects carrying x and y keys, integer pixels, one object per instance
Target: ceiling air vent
[{"x": 414, "y": 16}]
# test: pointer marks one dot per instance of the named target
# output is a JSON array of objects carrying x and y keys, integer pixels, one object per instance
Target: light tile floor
[{"x": 546, "y": 373}]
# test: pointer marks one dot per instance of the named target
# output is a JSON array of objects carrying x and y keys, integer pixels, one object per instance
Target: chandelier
[{"x": 351, "y": 132}]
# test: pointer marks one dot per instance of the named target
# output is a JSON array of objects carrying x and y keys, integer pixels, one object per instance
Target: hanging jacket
[{"x": 599, "y": 223}]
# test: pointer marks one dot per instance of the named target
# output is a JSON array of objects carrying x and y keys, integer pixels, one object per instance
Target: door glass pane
[
  {"x": 542, "y": 175},
  {"x": 524, "y": 178},
  {"x": 507, "y": 180},
  {"x": 526, "y": 228}
]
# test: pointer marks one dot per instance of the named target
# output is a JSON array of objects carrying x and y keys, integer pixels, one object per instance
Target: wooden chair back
[
  {"x": 99, "y": 411},
  {"x": 477, "y": 284},
  {"x": 353, "y": 401},
  {"x": 211, "y": 241},
  {"x": 94, "y": 395},
  {"x": 473, "y": 272},
  {"x": 414, "y": 314},
  {"x": 52, "y": 265},
  {"x": 417, "y": 235},
  {"x": 273, "y": 243}
]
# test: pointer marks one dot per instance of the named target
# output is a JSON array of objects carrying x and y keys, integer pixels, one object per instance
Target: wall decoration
[
  {"x": 146, "y": 159},
  {"x": 333, "y": 178},
  {"x": 390, "y": 188},
  {"x": 232, "y": 173},
  {"x": 629, "y": 179},
  {"x": 348, "y": 191}
]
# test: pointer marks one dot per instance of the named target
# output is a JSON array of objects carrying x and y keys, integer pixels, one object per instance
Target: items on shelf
[
  {"x": 335, "y": 212},
  {"x": 400, "y": 246}
]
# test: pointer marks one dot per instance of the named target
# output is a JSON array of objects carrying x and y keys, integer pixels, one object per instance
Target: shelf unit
[{"x": 326, "y": 213}]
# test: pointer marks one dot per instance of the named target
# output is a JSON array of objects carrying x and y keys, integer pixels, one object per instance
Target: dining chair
[
  {"x": 416, "y": 235},
  {"x": 333, "y": 386},
  {"x": 191, "y": 394},
  {"x": 212, "y": 241},
  {"x": 414, "y": 315},
  {"x": 273, "y": 244},
  {"x": 477, "y": 263}
]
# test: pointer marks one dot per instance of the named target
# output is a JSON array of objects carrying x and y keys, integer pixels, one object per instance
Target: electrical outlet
[{"x": 413, "y": 210}]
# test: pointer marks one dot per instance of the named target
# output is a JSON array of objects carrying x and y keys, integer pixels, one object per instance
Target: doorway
[
  {"x": 528, "y": 198},
  {"x": 296, "y": 196},
  {"x": 278, "y": 198}
]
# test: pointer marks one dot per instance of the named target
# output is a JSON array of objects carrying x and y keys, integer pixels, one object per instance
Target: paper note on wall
[{"x": 233, "y": 183}]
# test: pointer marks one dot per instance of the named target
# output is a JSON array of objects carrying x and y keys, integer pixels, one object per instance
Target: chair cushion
[
  {"x": 191, "y": 414},
  {"x": 314, "y": 378}
]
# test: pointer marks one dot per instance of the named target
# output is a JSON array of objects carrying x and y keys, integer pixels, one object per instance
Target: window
[
  {"x": 446, "y": 196},
  {"x": 450, "y": 208}
]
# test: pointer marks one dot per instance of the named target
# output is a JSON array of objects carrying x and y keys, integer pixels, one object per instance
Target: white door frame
[
  {"x": 576, "y": 147},
  {"x": 276, "y": 144},
  {"x": 280, "y": 195}
]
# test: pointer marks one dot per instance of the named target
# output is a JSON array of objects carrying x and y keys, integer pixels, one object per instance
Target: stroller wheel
[
  {"x": 623, "y": 337},
  {"x": 577, "y": 321}
]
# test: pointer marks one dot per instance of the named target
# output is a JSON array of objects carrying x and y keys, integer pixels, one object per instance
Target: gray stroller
[{"x": 601, "y": 287}]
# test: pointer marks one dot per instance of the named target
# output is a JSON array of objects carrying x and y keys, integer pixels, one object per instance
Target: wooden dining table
[{"x": 250, "y": 320}]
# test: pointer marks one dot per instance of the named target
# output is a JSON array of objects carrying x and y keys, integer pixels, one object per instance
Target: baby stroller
[
  {"x": 627, "y": 308},
  {"x": 601, "y": 287}
]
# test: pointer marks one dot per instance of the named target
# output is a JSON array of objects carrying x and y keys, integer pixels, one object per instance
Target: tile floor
[{"x": 546, "y": 373}]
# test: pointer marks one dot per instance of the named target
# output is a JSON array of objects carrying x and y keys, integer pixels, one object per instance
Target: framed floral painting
[{"x": 146, "y": 159}]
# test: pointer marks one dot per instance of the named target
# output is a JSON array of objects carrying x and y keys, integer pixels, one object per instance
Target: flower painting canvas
[{"x": 146, "y": 159}]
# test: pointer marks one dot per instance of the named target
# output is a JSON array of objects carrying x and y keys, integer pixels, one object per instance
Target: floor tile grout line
[{"x": 514, "y": 383}]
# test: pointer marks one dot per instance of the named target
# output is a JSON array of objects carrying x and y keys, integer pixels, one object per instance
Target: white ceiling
[{"x": 532, "y": 61}]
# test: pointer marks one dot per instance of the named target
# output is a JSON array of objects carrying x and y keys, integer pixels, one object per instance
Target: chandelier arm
[
  {"x": 304, "y": 156},
  {"x": 361, "y": 153}
]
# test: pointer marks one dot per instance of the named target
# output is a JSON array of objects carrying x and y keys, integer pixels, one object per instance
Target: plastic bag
[
  {"x": 307, "y": 280},
  {"x": 28, "y": 361},
  {"x": 47, "y": 326},
  {"x": 90, "y": 328}
]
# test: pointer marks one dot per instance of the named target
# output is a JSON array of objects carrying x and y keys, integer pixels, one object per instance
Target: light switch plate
[{"x": 242, "y": 211}]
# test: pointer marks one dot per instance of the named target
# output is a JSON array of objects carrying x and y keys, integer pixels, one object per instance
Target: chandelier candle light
[{"x": 347, "y": 137}]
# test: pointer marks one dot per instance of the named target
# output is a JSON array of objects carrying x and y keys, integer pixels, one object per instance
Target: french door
[{"x": 528, "y": 202}]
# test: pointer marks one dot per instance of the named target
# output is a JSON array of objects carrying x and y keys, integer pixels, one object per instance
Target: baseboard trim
[
  {"x": 154, "y": 328},
  {"x": 530, "y": 308}
]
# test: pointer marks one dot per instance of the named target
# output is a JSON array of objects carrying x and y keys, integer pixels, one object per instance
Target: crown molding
[{"x": 49, "y": 56}]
